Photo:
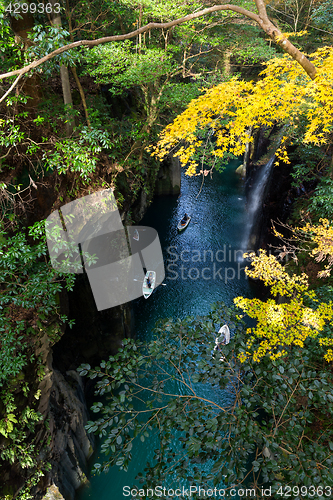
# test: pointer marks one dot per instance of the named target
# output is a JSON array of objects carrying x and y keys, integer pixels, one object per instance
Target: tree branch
[
  {"x": 262, "y": 19},
  {"x": 11, "y": 87},
  {"x": 275, "y": 34}
]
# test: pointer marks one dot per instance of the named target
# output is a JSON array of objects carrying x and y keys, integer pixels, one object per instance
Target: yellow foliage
[
  {"x": 322, "y": 235},
  {"x": 281, "y": 152},
  {"x": 269, "y": 270},
  {"x": 285, "y": 94},
  {"x": 329, "y": 355},
  {"x": 281, "y": 325},
  {"x": 291, "y": 34}
]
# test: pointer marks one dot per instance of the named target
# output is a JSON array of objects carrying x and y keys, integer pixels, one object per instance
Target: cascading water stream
[{"x": 254, "y": 204}]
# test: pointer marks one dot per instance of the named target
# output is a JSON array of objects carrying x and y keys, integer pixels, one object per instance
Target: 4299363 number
[
  {"x": 305, "y": 491},
  {"x": 32, "y": 8}
]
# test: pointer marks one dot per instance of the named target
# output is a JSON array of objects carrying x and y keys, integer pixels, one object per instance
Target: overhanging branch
[{"x": 262, "y": 19}]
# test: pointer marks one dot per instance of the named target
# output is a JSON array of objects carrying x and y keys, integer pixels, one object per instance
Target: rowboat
[
  {"x": 146, "y": 291},
  {"x": 223, "y": 337},
  {"x": 183, "y": 225}
]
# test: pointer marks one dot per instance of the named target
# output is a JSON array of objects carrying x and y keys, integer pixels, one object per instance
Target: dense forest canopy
[{"x": 92, "y": 96}]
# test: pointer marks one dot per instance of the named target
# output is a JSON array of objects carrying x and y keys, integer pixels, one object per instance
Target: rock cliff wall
[
  {"x": 96, "y": 334},
  {"x": 168, "y": 177},
  {"x": 70, "y": 446}
]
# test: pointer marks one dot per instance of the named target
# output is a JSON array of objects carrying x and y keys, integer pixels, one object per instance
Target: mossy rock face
[
  {"x": 168, "y": 177},
  {"x": 17, "y": 380},
  {"x": 53, "y": 493},
  {"x": 95, "y": 334},
  {"x": 7, "y": 492},
  {"x": 240, "y": 170}
]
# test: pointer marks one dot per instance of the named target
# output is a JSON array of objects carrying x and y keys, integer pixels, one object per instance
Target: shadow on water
[{"x": 202, "y": 266}]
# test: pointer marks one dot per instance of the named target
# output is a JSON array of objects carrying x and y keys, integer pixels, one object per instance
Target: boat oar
[{"x": 141, "y": 281}]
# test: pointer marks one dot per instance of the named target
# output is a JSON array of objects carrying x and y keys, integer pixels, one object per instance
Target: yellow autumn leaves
[
  {"x": 280, "y": 326},
  {"x": 269, "y": 270},
  {"x": 206, "y": 113},
  {"x": 284, "y": 95},
  {"x": 322, "y": 235},
  {"x": 288, "y": 321}
]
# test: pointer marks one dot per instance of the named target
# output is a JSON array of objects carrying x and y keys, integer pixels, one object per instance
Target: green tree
[
  {"x": 153, "y": 66},
  {"x": 29, "y": 302},
  {"x": 266, "y": 435},
  {"x": 261, "y": 18}
]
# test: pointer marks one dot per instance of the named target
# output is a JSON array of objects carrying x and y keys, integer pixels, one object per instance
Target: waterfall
[{"x": 254, "y": 204}]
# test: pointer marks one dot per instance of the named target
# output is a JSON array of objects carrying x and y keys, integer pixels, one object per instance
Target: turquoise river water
[{"x": 202, "y": 266}]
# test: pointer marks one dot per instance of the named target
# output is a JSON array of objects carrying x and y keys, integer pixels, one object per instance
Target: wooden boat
[
  {"x": 146, "y": 291},
  {"x": 223, "y": 337},
  {"x": 183, "y": 225}
]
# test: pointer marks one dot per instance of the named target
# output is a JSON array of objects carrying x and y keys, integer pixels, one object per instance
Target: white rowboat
[
  {"x": 183, "y": 225},
  {"x": 146, "y": 290},
  {"x": 223, "y": 337}
]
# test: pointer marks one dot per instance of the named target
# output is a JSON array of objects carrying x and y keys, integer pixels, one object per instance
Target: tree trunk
[
  {"x": 78, "y": 83},
  {"x": 226, "y": 62},
  {"x": 140, "y": 21},
  {"x": 67, "y": 94},
  {"x": 66, "y": 88},
  {"x": 83, "y": 97},
  {"x": 31, "y": 86}
]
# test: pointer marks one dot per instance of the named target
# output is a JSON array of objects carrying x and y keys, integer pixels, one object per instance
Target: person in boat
[
  {"x": 148, "y": 282},
  {"x": 185, "y": 218}
]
